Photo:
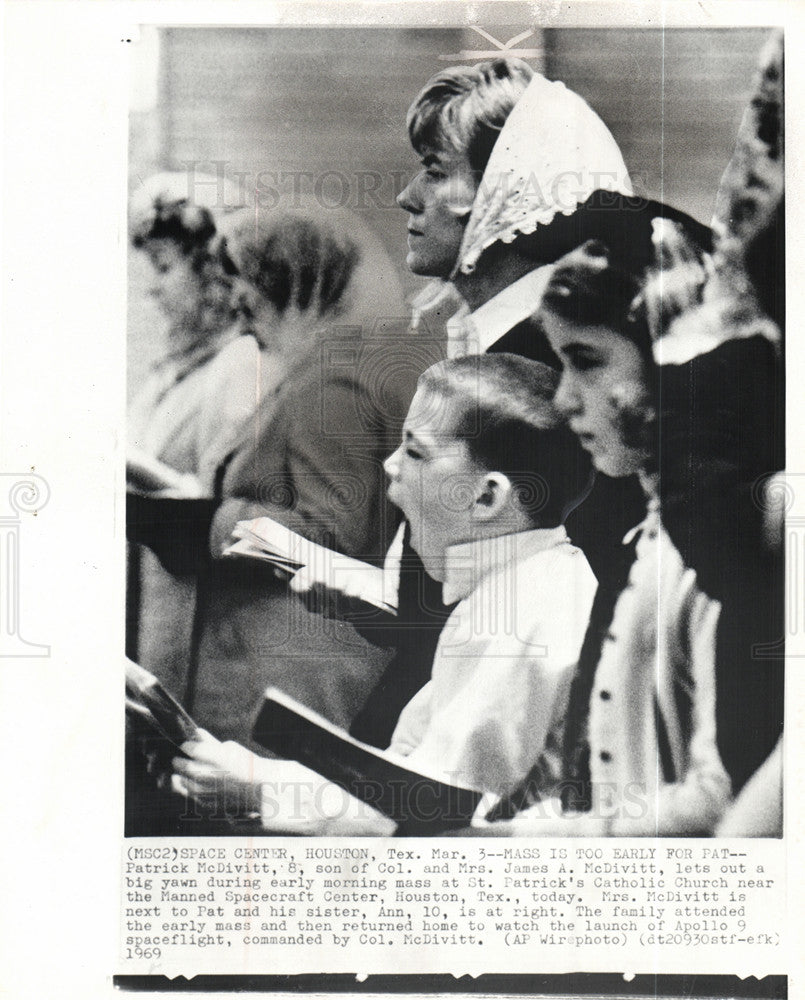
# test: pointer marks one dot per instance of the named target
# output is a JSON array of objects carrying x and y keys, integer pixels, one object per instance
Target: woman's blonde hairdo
[{"x": 464, "y": 108}]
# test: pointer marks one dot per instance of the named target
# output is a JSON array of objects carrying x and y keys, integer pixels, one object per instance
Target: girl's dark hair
[
  {"x": 636, "y": 265},
  {"x": 587, "y": 289}
]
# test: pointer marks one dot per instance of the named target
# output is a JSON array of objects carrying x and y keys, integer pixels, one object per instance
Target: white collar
[
  {"x": 651, "y": 523},
  {"x": 467, "y": 563},
  {"x": 501, "y": 313}
]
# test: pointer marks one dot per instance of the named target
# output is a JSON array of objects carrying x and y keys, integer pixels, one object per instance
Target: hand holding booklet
[
  {"x": 266, "y": 539},
  {"x": 420, "y": 804},
  {"x": 153, "y": 712}
]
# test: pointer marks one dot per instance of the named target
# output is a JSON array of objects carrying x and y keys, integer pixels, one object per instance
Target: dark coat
[{"x": 313, "y": 462}]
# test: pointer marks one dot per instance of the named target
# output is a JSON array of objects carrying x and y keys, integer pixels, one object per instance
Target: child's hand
[{"x": 220, "y": 777}]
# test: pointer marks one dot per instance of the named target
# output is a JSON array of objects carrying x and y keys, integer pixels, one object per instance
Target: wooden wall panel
[
  {"x": 672, "y": 99},
  {"x": 334, "y": 100}
]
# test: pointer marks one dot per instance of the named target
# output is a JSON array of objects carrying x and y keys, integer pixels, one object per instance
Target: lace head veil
[{"x": 552, "y": 153}]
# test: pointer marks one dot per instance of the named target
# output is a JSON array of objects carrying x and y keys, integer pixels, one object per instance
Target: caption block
[{"x": 212, "y": 906}]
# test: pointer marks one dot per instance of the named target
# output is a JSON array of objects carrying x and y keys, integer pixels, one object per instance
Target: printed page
[{"x": 179, "y": 178}]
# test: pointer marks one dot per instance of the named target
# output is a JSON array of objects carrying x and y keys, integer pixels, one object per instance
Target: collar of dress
[
  {"x": 468, "y": 563},
  {"x": 650, "y": 525},
  {"x": 501, "y": 313}
]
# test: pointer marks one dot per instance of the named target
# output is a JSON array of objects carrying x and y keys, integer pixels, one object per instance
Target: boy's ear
[{"x": 493, "y": 495}]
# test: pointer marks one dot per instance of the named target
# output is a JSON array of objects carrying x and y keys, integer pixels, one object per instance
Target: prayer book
[
  {"x": 152, "y": 711},
  {"x": 421, "y": 804},
  {"x": 266, "y": 539}
]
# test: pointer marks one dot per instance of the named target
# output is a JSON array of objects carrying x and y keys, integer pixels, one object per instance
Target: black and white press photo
[
  {"x": 455, "y": 432},
  {"x": 401, "y": 566}
]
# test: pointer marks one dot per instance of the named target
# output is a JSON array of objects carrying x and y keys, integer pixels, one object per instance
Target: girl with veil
[
  {"x": 639, "y": 746},
  {"x": 703, "y": 400}
]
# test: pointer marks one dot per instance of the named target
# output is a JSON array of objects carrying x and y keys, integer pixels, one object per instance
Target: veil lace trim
[{"x": 552, "y": 153}]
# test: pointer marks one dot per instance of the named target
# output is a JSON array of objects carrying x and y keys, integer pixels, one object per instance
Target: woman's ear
[
  {"x": 493, "y": 495},
  {"x": 460, "y": 210}
]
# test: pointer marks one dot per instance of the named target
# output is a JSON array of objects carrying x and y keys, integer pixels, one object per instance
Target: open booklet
[
  {"x": 266, "y": 539},
  {"x": 421, "y": 804}
]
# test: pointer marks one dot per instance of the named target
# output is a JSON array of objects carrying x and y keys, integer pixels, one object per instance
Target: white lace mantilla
[{"x": 551, "y": 154}]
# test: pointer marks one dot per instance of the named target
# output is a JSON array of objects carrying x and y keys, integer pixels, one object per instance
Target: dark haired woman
[
  {"x": 640, "y": 751},
  {"x": 196, "y": 398}
]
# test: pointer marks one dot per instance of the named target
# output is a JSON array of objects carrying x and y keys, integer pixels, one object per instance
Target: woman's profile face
[
  {"x": 175, "y": 286},
  {"x": 438, "y": 201},
  {"x": 604, "y": 393}
]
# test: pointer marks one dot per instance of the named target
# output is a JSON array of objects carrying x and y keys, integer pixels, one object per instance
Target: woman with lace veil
[{"x": 507, "y": 159}]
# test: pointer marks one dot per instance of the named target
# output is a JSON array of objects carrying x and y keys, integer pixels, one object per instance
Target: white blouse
[
  {"x": 503, "y": 664},
  {"x": 654, "y": 761}
]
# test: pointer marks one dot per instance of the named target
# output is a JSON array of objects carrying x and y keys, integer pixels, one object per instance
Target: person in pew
[
  {"x": 312, "y": 284},
  {"x": 196, "y": 398},
  {"x": 506, "y": 159},
  {"x": 718, "y": 447},
  {"x": 640, "y": 747},
  {"x": 485, "y": 474},
  {"x": 188, "y": 413},
  {"x": 723, "y": 371}
]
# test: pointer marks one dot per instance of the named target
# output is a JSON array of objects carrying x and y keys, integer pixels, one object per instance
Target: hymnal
[
  {"x": 421, "y": 804},
  {"x": 266, "y": 539}
]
